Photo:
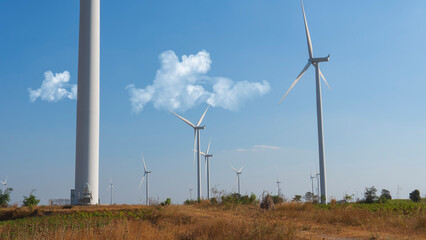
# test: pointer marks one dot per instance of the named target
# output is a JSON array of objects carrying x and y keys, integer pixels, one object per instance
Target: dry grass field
[{"x": 207, "y": 221}]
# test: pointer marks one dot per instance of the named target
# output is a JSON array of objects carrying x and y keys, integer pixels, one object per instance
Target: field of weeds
[{"x": 206, "y": 221}]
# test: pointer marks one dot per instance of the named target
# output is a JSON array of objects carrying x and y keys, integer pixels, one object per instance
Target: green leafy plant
[
  {"x": 31, "y": 200},
  {"x": 5, "y": 197},
  {"x": 167, "y": 202},
  {"x": 370, "y": 195},
  {"x": 415, "y": 196},
  {"x": 297, "y": 198}
]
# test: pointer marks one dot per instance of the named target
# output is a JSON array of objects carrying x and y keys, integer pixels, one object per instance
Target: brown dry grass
[{"x": 203, "y": 221}]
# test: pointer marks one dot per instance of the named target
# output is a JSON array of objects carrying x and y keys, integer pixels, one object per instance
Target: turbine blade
[
  {"x": 202, "y": 117},
  {"x": 144, "y": 165},
  {"x": 234, "y": 169},
  {"x": 308, "y": 35},
  {"x": 323, "y": 78},
  {"x": 110, "y": 180},
  {"x": 183, "y": 119},
  {"x": 240, "y": 169},
  {"x": 208, "y": 147},
  {"x": 140, "y": 184},
  {"x": 297, "y": 79}
]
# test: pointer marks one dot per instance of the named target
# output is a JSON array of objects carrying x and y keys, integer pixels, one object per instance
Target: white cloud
[
  {"x": 266, "y": 147},
  {"x": 54, "y": 88},
  {"x": 256, "y": 148},
  {"x": 180, "y": 84}
]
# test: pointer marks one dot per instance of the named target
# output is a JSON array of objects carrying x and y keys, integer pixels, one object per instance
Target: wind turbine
[
  {"x": 146, "y": 173},
  {"x": 196, "y": 142},
  {"x": 190, "y": 193},
  {"x": 238, "y": 177},
  {"x": 4, "y": 184},
  {"x": 207, "y": 157},
  {"x": 278, "y": 184},
  {"x": 110, "y": 186},
  {"x": 315, "y": 62},
  {"x": 312, "y": 183}
]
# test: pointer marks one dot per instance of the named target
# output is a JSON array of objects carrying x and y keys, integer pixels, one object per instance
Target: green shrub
[
  {"x": 415, "y": 196},
  {"x": 31, "y": 201},
  {"x": 5, "y": 197},
  {"x": 167, "y": 202},
  {"x": 297, "y": 198},
  {"x": 370, "y": 195},
  {"x": 236, "y": 199},
  {"x": 189, "y": 202},
  {"x": 277, "y": 199}
]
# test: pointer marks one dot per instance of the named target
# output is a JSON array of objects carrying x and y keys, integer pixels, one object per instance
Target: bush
[
  {"x": 415, "y": 196},
  {"x": 297, "y": 198},
  {"x": 348, "y": 198},
  {"x": 237, "y": 199},
  {"x": 5, "y": 197},
  {"x": 277, "y": 199},
  {"x": 386, "y": 194},
  {"x": 267, "y": 203},
  {"x": 370, "y": 195},
  {"x": 189, "y": 202},
  {"x": 31, "y": 201},
  {"x": 167, "y": 202}
]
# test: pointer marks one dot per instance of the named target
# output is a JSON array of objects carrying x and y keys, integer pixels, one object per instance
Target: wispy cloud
[
  {"x": 54, "y": 88},
  {"x": 181, "y": 85},
  {"x": 241, "y": 150},
  {"x": 266, "y": 147},
  {"x": 257, "y": 148}
]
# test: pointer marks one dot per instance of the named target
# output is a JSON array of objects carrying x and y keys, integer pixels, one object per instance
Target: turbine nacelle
[{"x": 323, "y": 59}]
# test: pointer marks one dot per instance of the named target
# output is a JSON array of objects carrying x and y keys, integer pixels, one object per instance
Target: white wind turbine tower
[
  {"x": 278, "y": 184},
  {"x": 312, "y": 183},
  {"x": 190, "y": 193},
  {"x": 4, "y": 184},
  {"x": 87, "y": 135},
  {"x": 207, "y": 157},
  {"x": 315, "y": 62},
  {"x": 110, "y": 186},
  {"x": 196, "y": 142},
  {"x": 238, "y": 177},
  {"x": 146, "y": 173}
]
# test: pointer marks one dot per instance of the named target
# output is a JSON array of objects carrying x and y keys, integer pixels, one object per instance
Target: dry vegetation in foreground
[{"x": 206, "y": 221}]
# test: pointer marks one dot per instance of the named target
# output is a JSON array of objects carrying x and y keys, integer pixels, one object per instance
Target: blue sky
[{"x": 374, "y": 116}]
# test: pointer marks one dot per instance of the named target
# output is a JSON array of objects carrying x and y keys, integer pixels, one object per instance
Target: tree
[
  {"x": 309, "y": 197},
  {"x": 348, "y": 198},
  {"x": 31, "y": 200},
  {"x": 415, "y": 196},
  {"x": 385, "y": 196},
  {"x": 5, "y": 197},
  {"x": 370, "y": 195},
  {"x": 297, "y": 198}
]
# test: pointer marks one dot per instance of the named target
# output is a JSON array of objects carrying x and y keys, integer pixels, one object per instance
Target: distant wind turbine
[
  {"x": 196, "y": 143},
  {"x": 278, "y": 184},
  {"x": 315, "y": 62},
  {"x": 4, "y": 184},
  {"x": 207, "y": 157},
  {"x": 190, "y": 193},
  {"x": 110, "y": 186},
  {"x": 146, "y": 173},
  {"x": 238, "y": 177},
  {"x": 312, "y": 183}
]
